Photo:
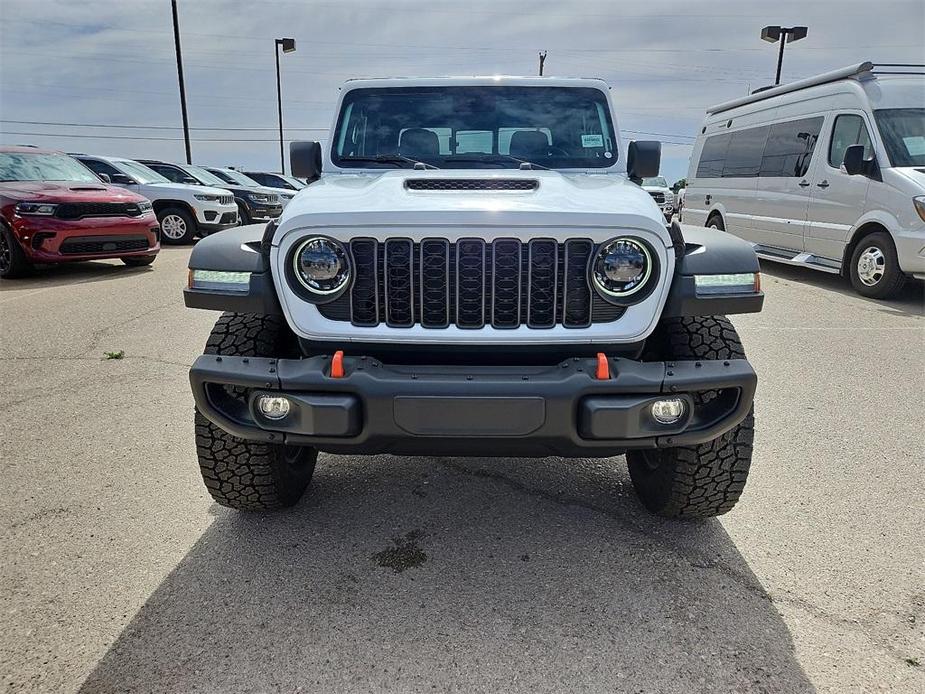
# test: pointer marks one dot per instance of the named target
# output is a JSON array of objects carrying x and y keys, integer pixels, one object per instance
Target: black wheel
[
  {"x": 177, "y": 226},
  {"x": 716, "y": 222},
  {"x": 138, "y": 260},
  {"x": 874, "y": 268},
  {"x": 13, "y": 262},
  {"x": 243, "y": 217},
  {"x": 707, "y": 479},
  {"x": 249, "y": 475}
]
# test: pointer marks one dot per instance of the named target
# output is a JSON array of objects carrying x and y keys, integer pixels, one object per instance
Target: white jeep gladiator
[{"x": 475, "y": 270}]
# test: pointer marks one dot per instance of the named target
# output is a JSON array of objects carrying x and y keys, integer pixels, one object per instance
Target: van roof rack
[{"x": 856, "y": 71}]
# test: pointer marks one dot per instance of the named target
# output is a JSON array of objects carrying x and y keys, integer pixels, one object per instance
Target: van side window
[
  {"x": 743, "y": 158},
  {"x": 790, "y": 147},
  {"x": 849, "y": 129},
  {"x": 713, "y": 156}
]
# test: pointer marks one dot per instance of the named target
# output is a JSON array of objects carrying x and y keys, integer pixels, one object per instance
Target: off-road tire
[
  {"x": 189, "y": 232},
  {"x": 13, "y": 262},
  {"x": 138, "y": 260},
  {"x": 707, "y": 479},
  {"x": 891, "y": 281},
  {"x": 250, "y": 475}
]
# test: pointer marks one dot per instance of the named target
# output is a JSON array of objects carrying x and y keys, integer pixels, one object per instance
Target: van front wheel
[{"x": 874, "y": 268}]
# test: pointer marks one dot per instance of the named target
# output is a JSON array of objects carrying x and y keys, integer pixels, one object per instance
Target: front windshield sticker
[
  {"x": 592, "y": 141},
  {"x": 915, "y": 145}
]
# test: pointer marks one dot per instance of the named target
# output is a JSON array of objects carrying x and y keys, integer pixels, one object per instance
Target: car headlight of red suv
[{"x": 43, "y": 209}]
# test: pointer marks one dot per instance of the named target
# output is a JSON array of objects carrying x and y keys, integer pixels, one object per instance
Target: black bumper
[{"x": 460, "y": 410}]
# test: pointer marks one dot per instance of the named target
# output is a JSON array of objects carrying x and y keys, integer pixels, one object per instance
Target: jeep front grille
[{"x": 471, "y": 284}]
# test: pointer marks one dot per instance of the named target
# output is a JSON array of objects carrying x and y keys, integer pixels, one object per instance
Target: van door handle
[
  {"x": 706, "y": 200},
  {"x": 823, "y": 184},
  {"x": 803, "y": 183}
]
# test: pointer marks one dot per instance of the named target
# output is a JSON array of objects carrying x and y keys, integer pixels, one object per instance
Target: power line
[{"x": 137, "y": 127}]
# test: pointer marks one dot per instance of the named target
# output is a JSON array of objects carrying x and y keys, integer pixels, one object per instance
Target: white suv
[{"x": 184, "y": 211}]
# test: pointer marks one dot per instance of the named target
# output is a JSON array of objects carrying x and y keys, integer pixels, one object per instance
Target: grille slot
[
  {"x": 521, "y": 184},
  {"x": 471, "y": 284},
  {"x": 80, "y": 245},
  {"x": 399, "y": 283}
]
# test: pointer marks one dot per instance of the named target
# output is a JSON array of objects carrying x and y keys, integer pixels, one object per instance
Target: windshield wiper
[
  {"x": 391, "y": 159},
  {"x": 497, "y": 159}
]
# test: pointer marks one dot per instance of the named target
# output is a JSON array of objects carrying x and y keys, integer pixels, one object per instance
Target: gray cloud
[{"x": 113, "y": 62}]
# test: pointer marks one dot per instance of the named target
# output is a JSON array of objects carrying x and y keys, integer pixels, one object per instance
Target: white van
[{"x": 828, "y": 173}]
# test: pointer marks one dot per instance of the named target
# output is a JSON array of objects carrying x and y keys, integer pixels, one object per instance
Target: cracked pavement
[{"x": 451, "y": 574}]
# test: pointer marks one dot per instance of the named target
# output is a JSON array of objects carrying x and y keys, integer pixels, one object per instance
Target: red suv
[{"x": 53, "y": 209}]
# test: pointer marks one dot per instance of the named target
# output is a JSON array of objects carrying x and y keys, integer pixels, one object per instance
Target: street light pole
[
  {"x": 288, "y": 46},
  {"x": 775, "y": 33},
  {"x": 176, "y": 40}
]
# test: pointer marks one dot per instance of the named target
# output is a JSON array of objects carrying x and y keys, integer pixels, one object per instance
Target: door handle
[
  {"x": 803, "y": 183},
  {"x": 823, "y": 184},
  {"x": 706, "y": 200}
]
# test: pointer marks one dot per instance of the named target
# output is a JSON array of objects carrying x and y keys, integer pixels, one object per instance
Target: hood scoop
[
  {"x": 86, "y": 188},
  {"x": 490, "y": 184}
]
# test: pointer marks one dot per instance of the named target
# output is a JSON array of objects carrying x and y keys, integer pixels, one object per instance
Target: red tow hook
[
  {"x": 603, "y": 367},
  {"x": 337, "y": 364}
]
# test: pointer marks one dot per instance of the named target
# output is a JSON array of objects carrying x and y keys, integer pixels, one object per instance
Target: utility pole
[
  {"x": 542, "y": 60},
  {"x": 772, "y": 34},
  {"x": 288, "y": 46},
  {"x": 176, "y": 40}
]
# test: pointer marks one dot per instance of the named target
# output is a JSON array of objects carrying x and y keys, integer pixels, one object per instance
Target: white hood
[
  {"x": 569, "y": 200},
  {"x": 185, "y": 189}
]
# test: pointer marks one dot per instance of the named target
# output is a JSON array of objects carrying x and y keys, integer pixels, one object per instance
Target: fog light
[
  {"x": 273, "y": 407},
  {"x": 668, "y": 411}
]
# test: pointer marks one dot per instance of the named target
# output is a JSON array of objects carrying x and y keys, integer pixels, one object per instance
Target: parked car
[
  {"x": 55, "y": 210},
  {"x": 184, "y": 211},
  {"x": 254, "y": 204},
  {"x": 475, "y": 274},
  {"x": 275, "y": 180},
  {"x": 237, "y": 178},
  {"x": 679, "y": 202},
  {"x": 658, "y": 188},
  {"x": 827, "y": 173}
]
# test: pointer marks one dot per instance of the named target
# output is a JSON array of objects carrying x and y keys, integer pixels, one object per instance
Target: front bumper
[
  {"x": 210, "y": 213},
  {"x": 263, "y": 213},
  {"x": 466, "y": 410},
  {"x": 53, "y": 240}
]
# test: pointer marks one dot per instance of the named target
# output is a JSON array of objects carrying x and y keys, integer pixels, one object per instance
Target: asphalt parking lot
[{"x": 452, "y": 575}]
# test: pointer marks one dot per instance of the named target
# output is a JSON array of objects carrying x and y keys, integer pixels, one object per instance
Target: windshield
[
  {"x": 233, "y": 176},
  {"x": 205, "y": 177},
  {"x": 903, "y": 133},
  {"x": 657, "y": 182},
  {"x": 22, "y": 166},
  {"x": 466, "y": 127},
  {"x": 140, "y": 172}
]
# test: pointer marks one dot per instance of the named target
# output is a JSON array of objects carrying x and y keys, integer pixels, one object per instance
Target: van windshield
[
  {"x": 475, "y": 127},
  {"x": 903, "y": 133}
]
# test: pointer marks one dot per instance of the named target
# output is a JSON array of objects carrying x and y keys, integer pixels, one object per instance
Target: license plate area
[{"x": 469, "y": 416}]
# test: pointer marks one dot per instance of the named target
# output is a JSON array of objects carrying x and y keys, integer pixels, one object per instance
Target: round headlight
[
  {"x": 622, "y": 267},
  {"x": 321, "y": 265}
]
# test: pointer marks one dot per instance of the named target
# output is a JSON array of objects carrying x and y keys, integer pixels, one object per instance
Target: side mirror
[
  {"x": 121, "y": 179},
  {"x": 104, "y": 178},
  {"x": 305, "y": 159},
  {"x": 854, "y": 160},
  {"x": 643, "y": 159}
]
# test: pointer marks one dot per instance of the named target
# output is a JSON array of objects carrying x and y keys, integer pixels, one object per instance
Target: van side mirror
[
  {"x": 305, "y": 159},
  {"x": 854, "y": 160},
  {"x": 104, "y": 178},
  {"x": 643, "y": 159}
]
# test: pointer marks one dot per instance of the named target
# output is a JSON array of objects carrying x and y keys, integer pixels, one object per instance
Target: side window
[
  {"x": 713, "y": 156},
  {"x": 100, "y": 167},
  {"x": 849, "y": 129},
  {"x": 743, "y": 158},
  {"x": 168, "y": 172},
  {"x": 790, "y": 147}
]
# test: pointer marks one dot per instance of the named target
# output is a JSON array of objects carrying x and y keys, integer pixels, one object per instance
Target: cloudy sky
[{"x": 66, "y": 66}]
